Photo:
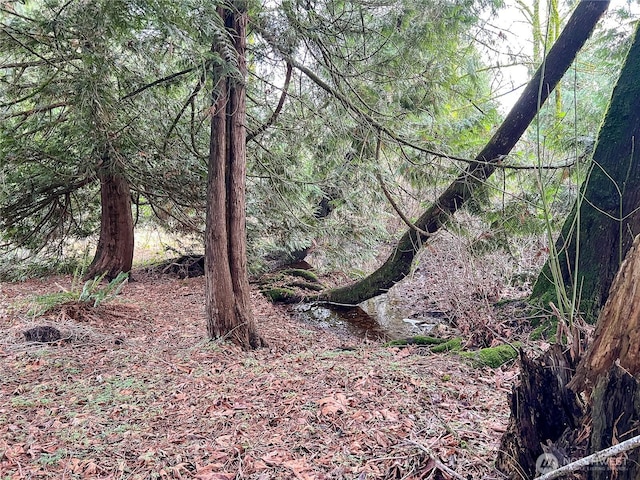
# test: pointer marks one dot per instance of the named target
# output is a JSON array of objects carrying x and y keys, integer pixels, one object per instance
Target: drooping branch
[
  {"x": 370, "y": 120},
  {"x": 190, "y": 98},
  {"x": 278, "y": 109},
  {"x": 32, "y": 111},
  {"x": 39, "y": 63},
  {"x": 398, "y": 210},
  {"x": 560, "y": 57},
  {"x": 387, "y": 194},
  {"x": 159, "y": 81}
]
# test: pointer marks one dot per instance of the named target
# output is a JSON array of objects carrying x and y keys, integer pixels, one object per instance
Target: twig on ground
[{"x": 438, "y": 464}]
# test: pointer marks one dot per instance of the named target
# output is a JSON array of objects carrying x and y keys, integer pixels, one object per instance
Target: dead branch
[{"x": 597, "y": 457}]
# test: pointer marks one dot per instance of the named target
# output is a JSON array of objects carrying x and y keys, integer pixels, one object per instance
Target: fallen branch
[{"x": 597, "y": 457}]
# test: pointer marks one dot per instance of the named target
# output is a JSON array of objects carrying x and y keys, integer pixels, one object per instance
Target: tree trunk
[
  {"x": 617, "y": 335},
  {"x": 114, "y": 253},
  {"x": 613, "y": 418},
  {"x": 592, "y": 245},
  {"x": 578, "y": 29},
  {"x": 607, "y": 375},
  {"x": 227, "y": 285},
  {"x": 545, "y": 429}
]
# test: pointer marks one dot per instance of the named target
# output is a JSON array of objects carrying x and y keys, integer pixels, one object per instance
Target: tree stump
[
  {"x": 543, "y": 409},
  {"x": 617, "y": 334},
  {"x": 615, "y": 412}
]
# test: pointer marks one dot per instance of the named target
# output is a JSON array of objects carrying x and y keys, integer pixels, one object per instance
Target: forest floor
[{"x": 137, "y": 392}]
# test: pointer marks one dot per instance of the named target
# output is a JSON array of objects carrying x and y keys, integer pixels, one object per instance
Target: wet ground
[{"x": 385, "y": 317}]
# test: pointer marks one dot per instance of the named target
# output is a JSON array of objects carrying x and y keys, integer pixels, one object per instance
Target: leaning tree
[{"x": 576, "y": 32}]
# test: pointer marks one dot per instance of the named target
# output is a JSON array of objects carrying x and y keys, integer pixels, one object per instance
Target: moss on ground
[
  {"x": 316, "y": 287},
  {"x": 298, "y": 272},
  {"x": 281, "y": 295},
  {"x": 493, "y": 357},
  {"x": 452, "y": 345},
  {"x": 437, "y": 345}
]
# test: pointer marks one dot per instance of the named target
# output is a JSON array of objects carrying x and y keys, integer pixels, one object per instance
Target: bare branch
[
  {"x": 276, "y": 112},
  {"x": 159, "y": 81},
  {"x": 387, "y": 194},
  {"x": 597, "y": 457}
]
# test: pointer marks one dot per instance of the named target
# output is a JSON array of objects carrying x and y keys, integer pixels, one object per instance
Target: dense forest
[{"x": 235, "y": 232}]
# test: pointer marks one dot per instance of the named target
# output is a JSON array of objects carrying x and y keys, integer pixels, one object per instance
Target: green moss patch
[
  {"x": 493, "y": 357},
  {"x": 281, "y": 295},
  {"x": 298, "y": 272},
  {"x": 452, "y": 345},
  {"x": 437, "y": 345}
]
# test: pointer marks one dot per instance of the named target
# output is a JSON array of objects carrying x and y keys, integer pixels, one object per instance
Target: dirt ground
[{"x": 138, "y": 392}]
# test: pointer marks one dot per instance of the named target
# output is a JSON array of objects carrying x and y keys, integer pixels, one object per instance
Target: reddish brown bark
[
  {"x": 227, "y": 284},
  {"x": 114, "y": 253}
]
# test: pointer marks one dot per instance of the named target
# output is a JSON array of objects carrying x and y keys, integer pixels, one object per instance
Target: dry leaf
[
  {"x": 333, "y": 405},
  {"x": 299, "y": 468},
  {"x": 276, "y": 458}
]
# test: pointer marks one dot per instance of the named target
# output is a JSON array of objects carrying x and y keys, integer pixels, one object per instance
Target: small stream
[{"x": 385, "y": 317}]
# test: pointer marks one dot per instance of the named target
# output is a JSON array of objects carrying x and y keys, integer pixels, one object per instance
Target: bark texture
[
  {"x": 561, "y": 56},
  {"x": 114, "y": 253},
  {"x": 227, "y": 285},
  {"x": 614, "y": 415},
  {"x": 594, "y": 242},
  {"x": 543, "y": 409},
  {"x": 617, "y": 335}
]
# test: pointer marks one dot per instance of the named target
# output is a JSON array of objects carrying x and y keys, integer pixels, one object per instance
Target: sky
[{"x": 515, "y": 46}]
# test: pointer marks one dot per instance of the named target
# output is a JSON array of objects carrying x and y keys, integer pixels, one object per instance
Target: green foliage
[
  {"x": 91, "y": 292},
  {"x": 77, "y": 94},
  {"x": 19, "y": 266},
  {"x": 403, "y": 67}
]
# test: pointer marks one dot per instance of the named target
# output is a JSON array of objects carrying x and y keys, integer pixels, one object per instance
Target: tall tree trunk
[
  {"x": 592, "y": 244},
  {"x": 227, "y": 285},
  {"x": 561, "y": 56},
  {"x": 114, "y": 253}
]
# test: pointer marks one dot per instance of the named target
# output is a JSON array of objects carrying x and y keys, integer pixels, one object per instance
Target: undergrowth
[{"x": 92, "y": 292}]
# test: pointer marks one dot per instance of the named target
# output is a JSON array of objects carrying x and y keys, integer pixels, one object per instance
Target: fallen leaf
[
  {"x": 299, "y": 468},
  {"x": 333, "y": 405},
  {"x": 276, "y": 458}
]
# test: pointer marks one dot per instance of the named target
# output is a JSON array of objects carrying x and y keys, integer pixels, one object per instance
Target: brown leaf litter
[{"x": 137, "y": 392}]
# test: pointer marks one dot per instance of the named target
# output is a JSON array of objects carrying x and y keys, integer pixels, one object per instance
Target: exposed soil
[{"x": 134, "y": 390}]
